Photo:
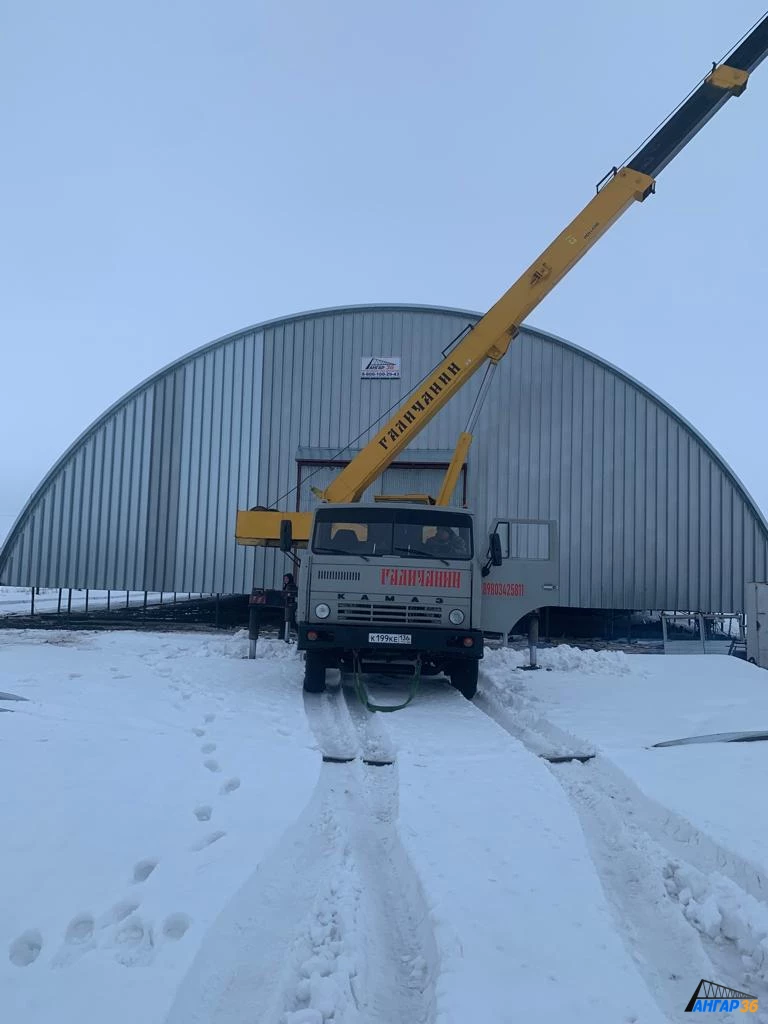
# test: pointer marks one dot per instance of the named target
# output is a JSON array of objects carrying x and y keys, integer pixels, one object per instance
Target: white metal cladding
[{"x": 649, "y": 515}]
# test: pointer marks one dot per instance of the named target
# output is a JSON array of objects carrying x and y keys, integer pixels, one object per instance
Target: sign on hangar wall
[{"x": 380, "y": 368}]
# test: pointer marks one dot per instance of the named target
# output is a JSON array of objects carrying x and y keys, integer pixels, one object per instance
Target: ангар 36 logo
[{"x": 710, "y": 997}]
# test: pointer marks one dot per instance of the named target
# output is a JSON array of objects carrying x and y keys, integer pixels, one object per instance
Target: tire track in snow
[
  {"x": 375, "y": 745},
  {"x": 685, "y": 906},
  {"x": 706, "y": 891},
  {"x": 333, "y": 924}
]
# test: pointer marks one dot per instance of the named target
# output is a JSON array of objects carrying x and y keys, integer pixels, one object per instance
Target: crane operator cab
[{"x": 395, "y": 587}]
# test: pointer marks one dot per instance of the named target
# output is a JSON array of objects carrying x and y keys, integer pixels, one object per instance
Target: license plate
[{"x": 389, "y": 638}]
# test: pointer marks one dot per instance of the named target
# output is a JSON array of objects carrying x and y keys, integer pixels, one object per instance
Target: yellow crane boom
[{"x": 490, "y": 338}]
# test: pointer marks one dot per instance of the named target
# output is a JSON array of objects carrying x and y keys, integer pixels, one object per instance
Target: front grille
[
  {"x": 343, "y": 575},
  {"x": 405, "y": 614}
]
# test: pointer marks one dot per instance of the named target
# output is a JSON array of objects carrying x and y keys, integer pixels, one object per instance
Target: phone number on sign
[{"x": 504, "y": 589}]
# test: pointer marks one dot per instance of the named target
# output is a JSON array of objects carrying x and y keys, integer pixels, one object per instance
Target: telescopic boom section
[{"x": 492, "y": 335}]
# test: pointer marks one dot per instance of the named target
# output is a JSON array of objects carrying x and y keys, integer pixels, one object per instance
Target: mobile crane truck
[{"x": 398, "y": 586}]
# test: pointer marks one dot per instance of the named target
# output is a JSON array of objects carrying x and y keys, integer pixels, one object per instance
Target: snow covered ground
[
  {"x": 176, "y": 851},
  {"x": 677, "y": 832}
]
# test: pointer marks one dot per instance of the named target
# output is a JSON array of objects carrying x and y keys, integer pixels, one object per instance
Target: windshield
[{"x": 387, "y": 531}]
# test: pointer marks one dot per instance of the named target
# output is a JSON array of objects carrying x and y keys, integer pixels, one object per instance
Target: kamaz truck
[{"x": 392, "y": 588}]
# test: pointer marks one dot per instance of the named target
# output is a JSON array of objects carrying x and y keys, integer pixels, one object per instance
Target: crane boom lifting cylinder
[{"x": 491, "y": 336}]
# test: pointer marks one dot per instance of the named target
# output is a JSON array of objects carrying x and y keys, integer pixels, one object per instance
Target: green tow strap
[{"x": 362, "y": 693}]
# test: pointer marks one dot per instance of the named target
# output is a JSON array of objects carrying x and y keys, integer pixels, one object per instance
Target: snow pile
[
  {"x": 722, "y": 911},
  {"x": 562, "y": 658}
]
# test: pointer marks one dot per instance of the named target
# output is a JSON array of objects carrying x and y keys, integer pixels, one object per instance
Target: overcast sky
[{"x": 176, "y": 171}]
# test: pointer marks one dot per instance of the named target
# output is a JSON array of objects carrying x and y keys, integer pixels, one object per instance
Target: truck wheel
[
  {"x": 314, "y": 672},
  {"x": 464, "y": 677}
]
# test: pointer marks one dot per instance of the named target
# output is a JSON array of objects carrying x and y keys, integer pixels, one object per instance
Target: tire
[
  {"x": 314, "y": 672},
  {"x": 464, "y": 677}
]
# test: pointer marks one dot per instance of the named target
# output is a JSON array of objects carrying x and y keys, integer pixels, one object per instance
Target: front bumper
[{"x": 449, "y": 642}]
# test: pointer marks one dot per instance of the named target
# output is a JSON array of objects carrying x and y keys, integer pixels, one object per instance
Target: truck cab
[{"x": 398, "y": 585}]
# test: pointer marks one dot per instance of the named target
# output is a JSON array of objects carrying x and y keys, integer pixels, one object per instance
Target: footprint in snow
[
  {"x": 78, "y": 939},
  {"x": 199, "y": 732},
  {"x": 175, "y": 926},
  {"x": 203, "y": 812},
  {"x": 79, "y": 930},
  {"x": 131, "y": 931},
  {"x": 230, "y": 786},
  {"x": 214, "y": 837},
  {"x": 135, "y": 942},
  {"x": 209, "y": 717},
  {"x": 212, "y": 765},
  {"x": 207, "y": 748},
  {"x": 25, "y": 949},
  {"x": 143, "y": 869}
]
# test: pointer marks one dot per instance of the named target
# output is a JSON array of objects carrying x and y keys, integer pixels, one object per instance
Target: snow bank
[
  {"x": 498, "y": 663},
  {"x": 719, "y": 909}
]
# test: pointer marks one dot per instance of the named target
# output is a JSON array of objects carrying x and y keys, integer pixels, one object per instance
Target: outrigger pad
[{"x": 563, "y": 758}]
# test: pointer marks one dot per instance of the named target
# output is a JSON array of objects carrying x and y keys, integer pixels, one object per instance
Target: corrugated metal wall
[
  {"x": 146, "y": 498},
  {"x": 649, "y": 515}
]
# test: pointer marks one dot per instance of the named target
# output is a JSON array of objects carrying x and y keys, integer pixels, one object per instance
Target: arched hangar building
[{"x": 649, "y": 515}]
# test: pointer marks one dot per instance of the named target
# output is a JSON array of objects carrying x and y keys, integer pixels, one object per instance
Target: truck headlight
[
  {"x": 323, "y": 611},
  {"x": 456, "y": 616}
]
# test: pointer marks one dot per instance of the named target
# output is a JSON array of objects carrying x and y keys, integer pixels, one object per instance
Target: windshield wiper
[
  {"x": 337, "y": 551},
  {"x": 417, "y": 553}
]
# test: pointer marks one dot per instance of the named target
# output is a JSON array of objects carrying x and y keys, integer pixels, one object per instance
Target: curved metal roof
[{"x": 189, "y": 441}]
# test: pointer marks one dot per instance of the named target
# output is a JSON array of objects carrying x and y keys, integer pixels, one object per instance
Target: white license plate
[{"x": 389, "y": 638}]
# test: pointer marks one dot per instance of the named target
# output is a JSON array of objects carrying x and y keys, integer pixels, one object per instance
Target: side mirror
[
  {"x": 286, "y": 535},
  {"x": 495, "y": 549}
]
